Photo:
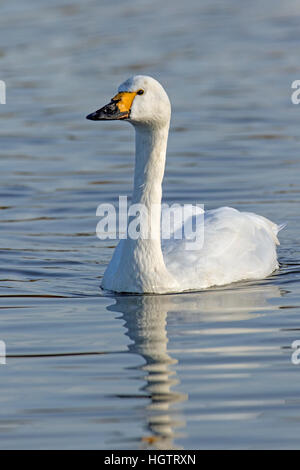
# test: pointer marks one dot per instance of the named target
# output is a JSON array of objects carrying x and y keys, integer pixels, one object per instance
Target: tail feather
[{"x": 277, "y": 229}]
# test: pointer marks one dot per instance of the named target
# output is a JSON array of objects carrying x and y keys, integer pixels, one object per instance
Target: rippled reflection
[{"x": 146, "y": 323}]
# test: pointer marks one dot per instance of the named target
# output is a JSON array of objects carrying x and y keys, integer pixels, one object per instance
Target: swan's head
[{"x": 140, "y": 100}]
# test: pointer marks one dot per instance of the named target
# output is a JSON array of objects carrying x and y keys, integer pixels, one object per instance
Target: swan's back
[{"x": 236, "y": 246}]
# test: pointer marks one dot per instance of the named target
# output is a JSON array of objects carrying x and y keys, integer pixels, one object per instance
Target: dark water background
[{"x": 204, "y": 370}]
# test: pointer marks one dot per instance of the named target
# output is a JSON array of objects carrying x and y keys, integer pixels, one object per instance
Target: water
[{"x": 203, "y": 370}]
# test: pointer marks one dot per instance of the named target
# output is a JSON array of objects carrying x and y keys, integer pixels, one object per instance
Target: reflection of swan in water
[{"x": 146, "y": 320}]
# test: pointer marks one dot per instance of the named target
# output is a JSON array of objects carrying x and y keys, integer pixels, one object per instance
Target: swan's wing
[
  {"x": 177, "y": 224},
  {"x": 236, "y": 245}
]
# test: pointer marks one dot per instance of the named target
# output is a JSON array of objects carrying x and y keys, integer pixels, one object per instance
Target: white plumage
[{"x": 236, "y": 246}]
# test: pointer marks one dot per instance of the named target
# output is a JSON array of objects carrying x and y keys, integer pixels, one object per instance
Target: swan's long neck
[
  {"x": 138, "y": 264},
  {"x": 150, "y": 158}
]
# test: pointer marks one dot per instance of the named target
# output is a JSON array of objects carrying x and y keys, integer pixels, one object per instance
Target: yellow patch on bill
[{"x": 125, "y": 99}]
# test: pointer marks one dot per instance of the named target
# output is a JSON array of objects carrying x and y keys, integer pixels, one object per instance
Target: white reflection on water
[{"x": 146, "y": 323}]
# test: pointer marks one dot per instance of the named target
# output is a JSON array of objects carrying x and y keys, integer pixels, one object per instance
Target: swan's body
[{"x": 237, "y": 245}]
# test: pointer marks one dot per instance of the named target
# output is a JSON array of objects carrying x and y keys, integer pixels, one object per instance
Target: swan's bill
[{"x": 118, "y": 108}]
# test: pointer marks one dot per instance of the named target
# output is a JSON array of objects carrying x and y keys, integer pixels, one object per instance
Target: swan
[{"x": 236, "y": 246}]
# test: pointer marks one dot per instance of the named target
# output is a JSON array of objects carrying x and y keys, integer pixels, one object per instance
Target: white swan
[{"x": 237, "y": 245}]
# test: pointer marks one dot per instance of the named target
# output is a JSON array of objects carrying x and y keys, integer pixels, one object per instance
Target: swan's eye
[{"x": 140, "y": 92}]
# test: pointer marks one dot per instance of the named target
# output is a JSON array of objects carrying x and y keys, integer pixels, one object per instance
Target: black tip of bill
[
  {"x": 110, "y": 112},
  {"x": 93, "y": 116}
]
